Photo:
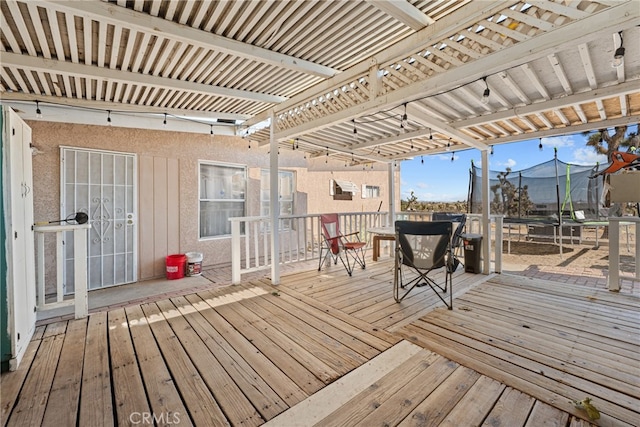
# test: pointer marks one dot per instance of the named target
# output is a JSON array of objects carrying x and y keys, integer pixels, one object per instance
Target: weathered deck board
[
  {"x": 232, "y": 368},
  {"x": 96, "y": 408},
  {"x": 196, "y": 396},
  {"x": 525, "y": 341},
  {"x": 160, "y": 387},
  {"x": 62, "y": 404},
  {"x": 337, "y": 350},
  {"x": 30, "y": 407},
  {"x": 288, "y": 391},
  {"x": 11, "y": 382},
  {"x": 128, "y": 388}
]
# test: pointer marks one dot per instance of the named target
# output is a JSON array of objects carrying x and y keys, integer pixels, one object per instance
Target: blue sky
[{"x": 439, "y": 179}]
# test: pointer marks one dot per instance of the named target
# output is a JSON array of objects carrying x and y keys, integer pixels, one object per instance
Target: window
[
  {"x": 286, "y": 190},
  {"x": 222, "y": 196},
  {"x": 370, "y": 191},
  {"x": 343, "y": 190}
]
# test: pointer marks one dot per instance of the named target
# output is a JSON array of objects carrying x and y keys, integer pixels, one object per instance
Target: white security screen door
[{"x": 102, "y": 185}]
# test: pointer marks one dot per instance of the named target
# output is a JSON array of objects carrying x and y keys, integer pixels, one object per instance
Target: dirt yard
[{"x": 543, "y": 252}]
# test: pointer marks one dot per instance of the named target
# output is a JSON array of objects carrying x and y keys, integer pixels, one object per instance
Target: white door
[
  {"x": 21, "y": 289},
  {"x": 102, "y": 185}
]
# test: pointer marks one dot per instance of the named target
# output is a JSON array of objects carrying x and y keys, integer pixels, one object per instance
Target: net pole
[
  {"x": 555, "y": 159},
  {"x": 520, "y": 194}
]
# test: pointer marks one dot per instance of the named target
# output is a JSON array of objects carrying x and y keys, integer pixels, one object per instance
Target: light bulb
[
  {"x": 485, "y": 96},
  {"x": 618, "y": 57}
]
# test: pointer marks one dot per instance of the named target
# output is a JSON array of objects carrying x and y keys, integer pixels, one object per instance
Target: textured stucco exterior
[{"x": 312, "y": 177}]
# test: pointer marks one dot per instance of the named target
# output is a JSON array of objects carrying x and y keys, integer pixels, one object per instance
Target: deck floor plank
[
  {"x": 160, "y": 387},
  {"x": 128, "y": 389},
  {"x": 546, "y": 415},
  {"x": 378, "y": 337},
  {"x": 575, "y": 310},
  {"x": 226, "y": 392},
  {"x": 96, "y": 406},
  {"x": 320, "y": 322},
  {"x": 295, "y": 370},
  {"x": 323, "y": 347},
  {"x": 11, "y": 382},
  {"x": 608, "y": 360},
  {"x": 369, "y": 401},
  {"x": 232, "y": 366},
  {"x": 512, "y": 409},
  {"x": 288, "y": 390},
  {"x": 62, "y": 404},
  {"x": 528, "y": 316},
  {"x": 432, "y": 410},
  {"x": 297, "y": 348},
  {"x": 200, "y": 403},
  {"x": 476, "y": 404},
  {"x": 414, "y": 387},
  {"x": 30, "y": 406},
  {"x": 331, "y": 351},
  {"x": 563, "y": 359}
]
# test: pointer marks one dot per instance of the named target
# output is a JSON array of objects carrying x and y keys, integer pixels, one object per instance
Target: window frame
[
  {"x": 242, "y": 200},
  {"x": 366, "y": 188},
  {"x": 266, "y": 173}
]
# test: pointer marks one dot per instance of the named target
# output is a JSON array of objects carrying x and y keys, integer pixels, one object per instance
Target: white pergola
[{"x": 317, "y": 71}]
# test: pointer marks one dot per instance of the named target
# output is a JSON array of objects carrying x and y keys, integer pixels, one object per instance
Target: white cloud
[
  {"x": 588, "y": 156},
  {"x": 447, "y": 156},
  {"x": 558, "y": 141},
  {"x": 510, "y": 163}
]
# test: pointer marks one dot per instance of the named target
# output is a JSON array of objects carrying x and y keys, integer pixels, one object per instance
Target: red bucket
[{"x": 175, "y": 266}]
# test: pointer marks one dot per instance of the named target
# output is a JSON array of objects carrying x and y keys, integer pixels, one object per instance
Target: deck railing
[
  {"x": 615, "y": 277},
  {"x": 57, "y": 298},
  {"x": 301, "y": 236}
]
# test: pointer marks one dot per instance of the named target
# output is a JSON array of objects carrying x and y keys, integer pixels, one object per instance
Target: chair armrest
[{"x": 351, "y": 234}]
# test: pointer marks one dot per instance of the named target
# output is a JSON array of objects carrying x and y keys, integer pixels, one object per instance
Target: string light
[
  {"x": 430, "y": 135},
  {"x": 355, "y": 130},
  {"x": 164, "y": 123},
  {"x": 492, "y": 150},
  {"x": 38, "y": 111},
  {"x": 486, "y": 93},
  {"x": 109, "y": 117},
  {"x": 404, "y": 122},
  {"x": 422, "y": 160},
  {"x": 540, "y": 145},
  {"x": 452, "y": 157},
  {"x": 449, "y": 145},
  {"x": 211, "y": 132},
  {"x": 618, "y": 56}
]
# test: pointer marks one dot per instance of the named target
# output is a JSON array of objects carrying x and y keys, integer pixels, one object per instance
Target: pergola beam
[
  {"x": 121, "y": 16},
  {"x": 54, "y": 67},
  {"x": 404, "y": 12}
]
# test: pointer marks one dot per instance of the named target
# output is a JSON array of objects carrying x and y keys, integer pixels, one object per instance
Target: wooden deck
[{"x": 329, "y": 349}]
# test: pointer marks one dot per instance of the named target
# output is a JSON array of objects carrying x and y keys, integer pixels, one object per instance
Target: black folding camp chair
[
  {"x": 457, "y": 243},
  {"x": 422, "y": 248},
  {"x": 335, "y": 244}
]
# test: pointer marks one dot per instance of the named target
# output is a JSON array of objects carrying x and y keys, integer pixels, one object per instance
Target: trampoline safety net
[{"x": 539, "y": 191}]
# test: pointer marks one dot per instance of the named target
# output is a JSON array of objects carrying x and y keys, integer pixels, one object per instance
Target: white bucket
[{"x": 194, "y": 263}]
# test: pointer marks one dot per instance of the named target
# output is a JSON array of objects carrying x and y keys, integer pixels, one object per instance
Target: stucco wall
[{"x": 312, "y": 186}]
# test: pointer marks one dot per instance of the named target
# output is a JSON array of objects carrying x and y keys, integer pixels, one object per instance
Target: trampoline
[{"x": 552, "y": 199}]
